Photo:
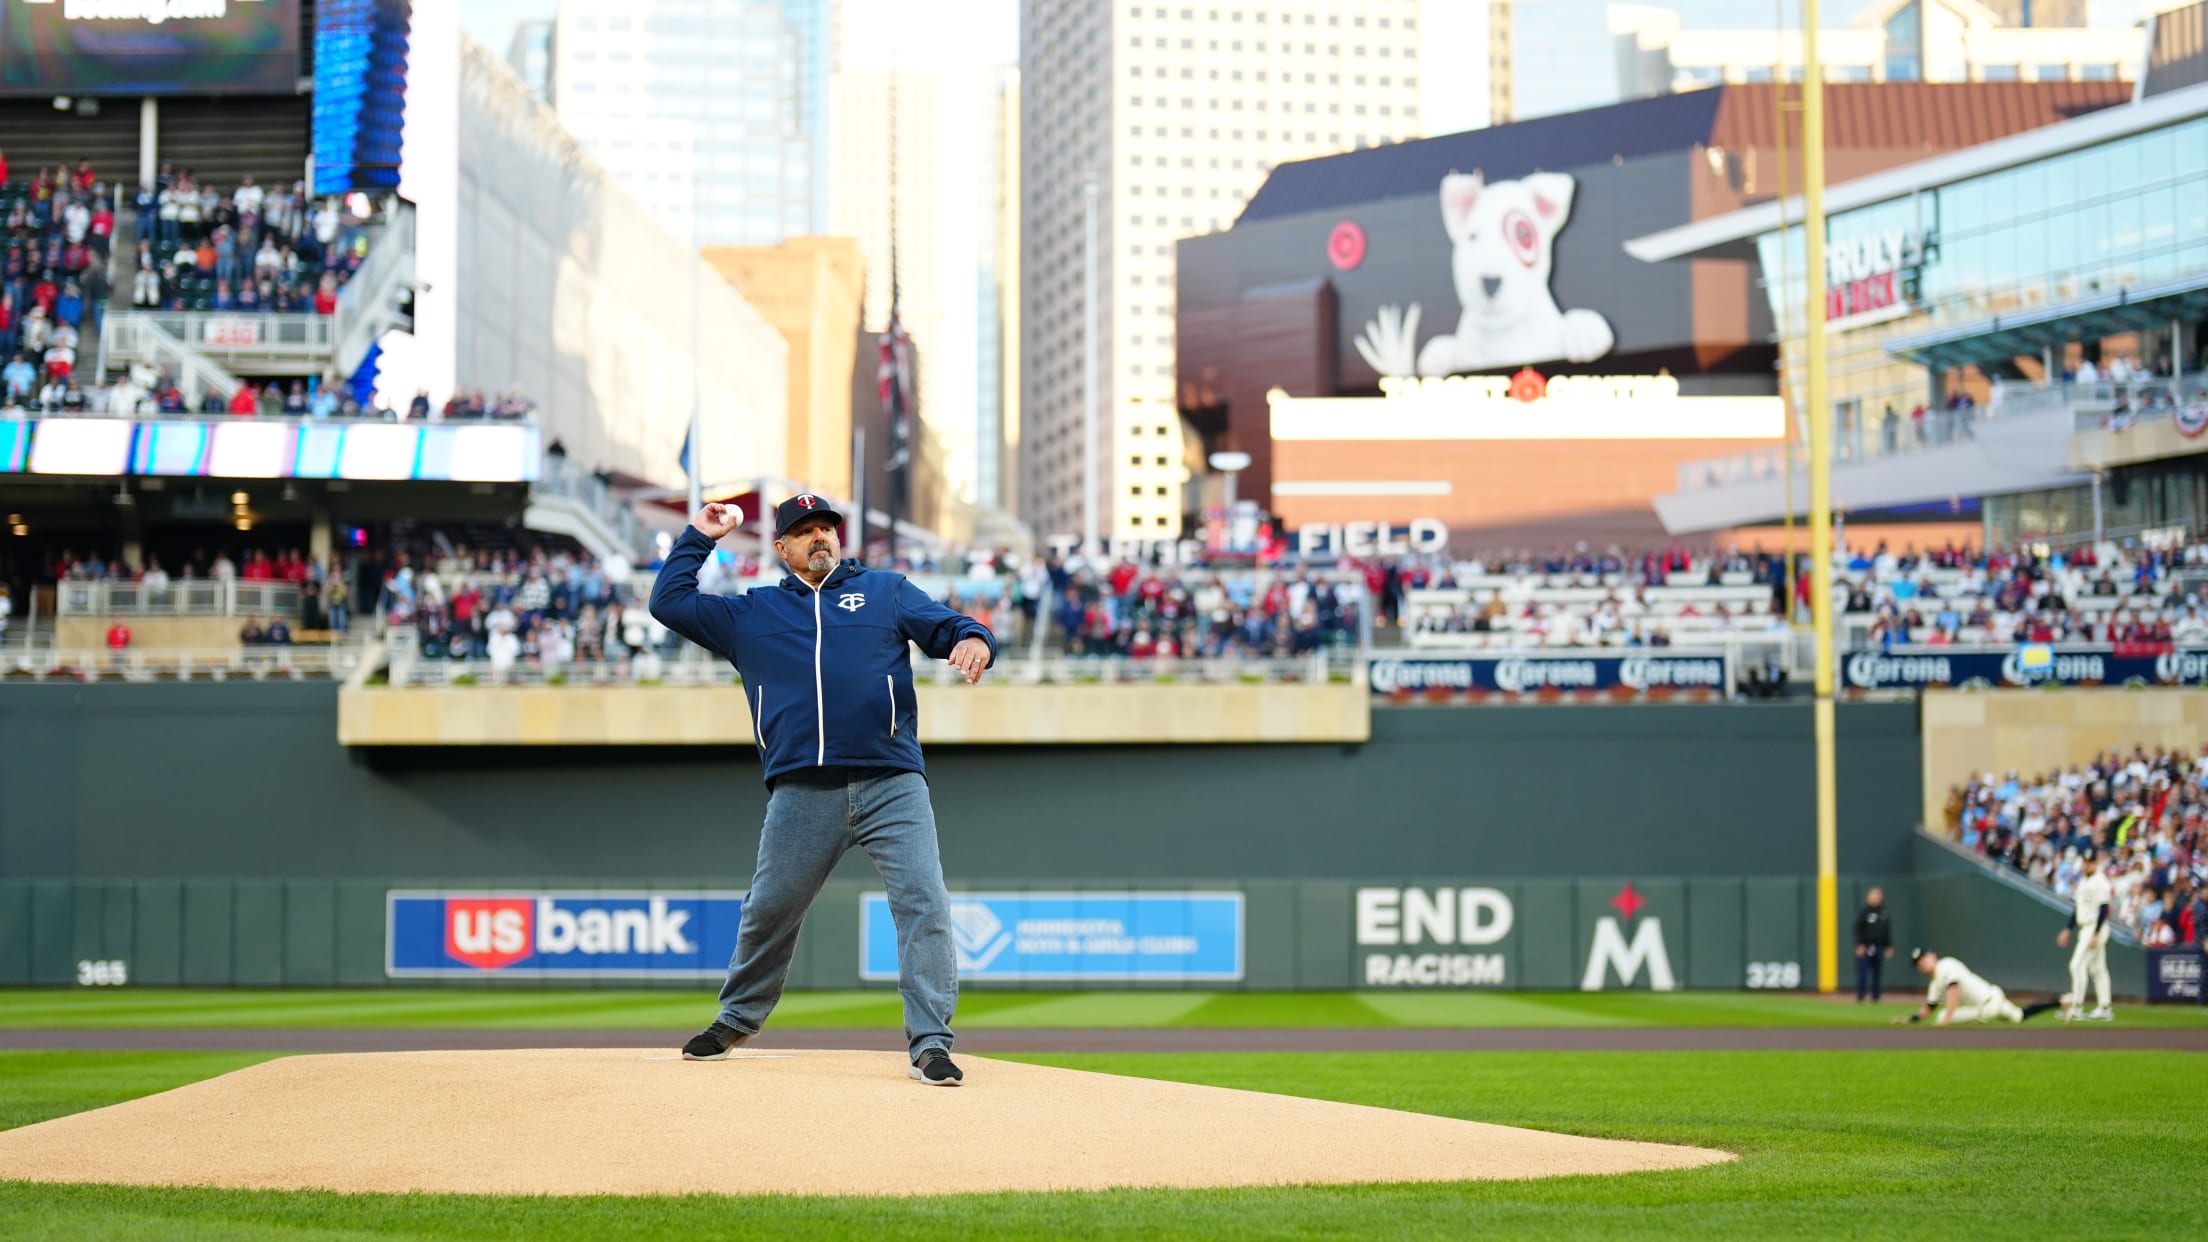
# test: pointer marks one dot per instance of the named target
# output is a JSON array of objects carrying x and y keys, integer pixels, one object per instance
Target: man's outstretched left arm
[{"x": 940, "y": 630}]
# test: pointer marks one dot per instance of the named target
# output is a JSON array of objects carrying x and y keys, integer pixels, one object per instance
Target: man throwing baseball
[
  {"x": 2096, "y": 899},
  {"x": 824, "y": 662}
]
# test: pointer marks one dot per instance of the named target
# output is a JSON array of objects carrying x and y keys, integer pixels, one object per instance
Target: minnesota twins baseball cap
[{"x": 799, "y": 508}]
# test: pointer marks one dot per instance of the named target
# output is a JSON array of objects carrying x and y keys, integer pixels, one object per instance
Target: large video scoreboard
[{"x": 148, "y": 47}]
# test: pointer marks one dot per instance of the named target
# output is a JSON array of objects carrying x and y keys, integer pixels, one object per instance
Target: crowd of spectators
[
  {"x": 144, "y": 389},
  {"x": 2124, "y": 597},
  {"x": 325, "y": 594},
  {"x": 2145, "y": 812},
  {"x": 59, "y": 225},
  {"x": 1580, "y": 597},
  {"x": 2135, "y": 597},
  {"x": 1117, "y": 607},
  {"x": 1126, "y": 610},
  {"x": 542, "y": 606},
  {"x": 246, "y": 249}
]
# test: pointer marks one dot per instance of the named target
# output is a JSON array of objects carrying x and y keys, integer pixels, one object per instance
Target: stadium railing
[
  {"x": 139, "y": 336},
  {"x": 1013, "y": 670},
  {"x": 303, "y": 338},
  {"x": 253, "y": 663},
  {"x": 2141, "y": 400},
  {"x": 195, "y": 598}
]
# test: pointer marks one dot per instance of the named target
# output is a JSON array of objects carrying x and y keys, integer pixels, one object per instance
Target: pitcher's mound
[{"x": 619, "y": 1121}]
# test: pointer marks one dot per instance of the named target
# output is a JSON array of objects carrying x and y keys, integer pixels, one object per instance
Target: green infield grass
[
  {"x": 1926, "y": 1144},
  {"x": 520, "y": 1008}
]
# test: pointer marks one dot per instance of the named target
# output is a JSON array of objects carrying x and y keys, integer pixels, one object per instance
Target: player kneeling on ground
[{"x": 1957, "y": 994}]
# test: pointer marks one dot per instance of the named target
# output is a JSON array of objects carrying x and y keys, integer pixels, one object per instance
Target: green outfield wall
[
  {"x": 220, "y": 835},
  {"x": 247, "y": 781}
]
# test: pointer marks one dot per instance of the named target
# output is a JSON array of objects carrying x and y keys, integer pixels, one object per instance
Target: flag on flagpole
[
  {"x": 893, "y": 380},
  {"x": 684, "y": 458}
]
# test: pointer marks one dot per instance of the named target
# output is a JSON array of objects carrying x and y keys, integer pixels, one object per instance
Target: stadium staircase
[{"x": 570, "y": 502}]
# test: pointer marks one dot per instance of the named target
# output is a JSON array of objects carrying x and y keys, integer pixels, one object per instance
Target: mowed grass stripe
[
  {"x": 1934, "y": 1145},
  {"x": 1283, "y": 1009},
  {"x": 673, "y": 1009},
  {"x": 1480, "y": 1009},
  {"x": 1100, "y": 1010}
]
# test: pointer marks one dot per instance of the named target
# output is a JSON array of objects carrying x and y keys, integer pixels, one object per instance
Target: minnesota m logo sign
[{"x": 1611, "y": 951}]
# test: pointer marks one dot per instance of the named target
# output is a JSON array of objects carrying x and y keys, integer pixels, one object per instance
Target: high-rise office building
[
  {"x": 1888, "y": 41},
  {"x": 2040, "y": 12},
  {"x": 1499, "y": 63},
  {"x": 1175, "y": 113},
  {"x": 997, "y": 293},
  {"x": 711, "y": 106},
  {"x": 530, "y": 54}
]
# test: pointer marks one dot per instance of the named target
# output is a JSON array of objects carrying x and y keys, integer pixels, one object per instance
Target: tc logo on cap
[{"x": 807, "y": 502}]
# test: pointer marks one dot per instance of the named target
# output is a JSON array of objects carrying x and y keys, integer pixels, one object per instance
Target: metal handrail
[
  {"x": 367, "y": 304},
  {"x": 561, "y": 477},
  {"x": 140, "y": 334},
  {"x": 2094, "y": 406},
  {"x": 305, "y": 331}
]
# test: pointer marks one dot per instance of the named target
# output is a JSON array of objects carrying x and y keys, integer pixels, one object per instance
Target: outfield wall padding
[{"x": 1296, "y": 934}]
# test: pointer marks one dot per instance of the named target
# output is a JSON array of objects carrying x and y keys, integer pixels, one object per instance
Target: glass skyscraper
[{"x": 711, "y": 108}]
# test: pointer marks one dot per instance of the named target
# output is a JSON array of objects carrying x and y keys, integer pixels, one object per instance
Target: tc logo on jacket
[{"x": 827, "y": 671}]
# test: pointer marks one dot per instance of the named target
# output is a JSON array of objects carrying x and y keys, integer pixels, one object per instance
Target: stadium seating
[
  {"x": 54, "y": 276},
  {"x": 2146, "y": 810},
  {"x": 247, "y": 248},
  {"x": 74, "y": 243},
  {"x": 1962, "y": 597}
]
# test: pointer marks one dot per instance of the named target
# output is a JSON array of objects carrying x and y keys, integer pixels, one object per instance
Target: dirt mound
[{"x": 621, "y": 1121}]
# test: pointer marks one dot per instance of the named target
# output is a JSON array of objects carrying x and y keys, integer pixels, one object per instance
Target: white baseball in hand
[{"x": 717, "y": 520}]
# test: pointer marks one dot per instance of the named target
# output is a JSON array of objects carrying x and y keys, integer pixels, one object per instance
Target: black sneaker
[
  {"x": 936, "y": 1069},
  {"x": 713, "y": 1043}
]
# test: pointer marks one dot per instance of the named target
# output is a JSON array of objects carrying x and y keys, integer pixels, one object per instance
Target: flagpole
[
  {"x": 697, "y": 259},
  {"x": 858, "y": 493},
  {"x": 895, "y": 454}
]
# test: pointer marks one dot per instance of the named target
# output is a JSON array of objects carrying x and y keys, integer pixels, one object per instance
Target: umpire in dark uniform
[
  {"x": 827, "y": 670},
  {"x": 1874, "y": 943}
]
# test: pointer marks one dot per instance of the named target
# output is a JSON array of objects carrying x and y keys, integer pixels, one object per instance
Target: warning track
[{"x": 2049, "y": 1035}]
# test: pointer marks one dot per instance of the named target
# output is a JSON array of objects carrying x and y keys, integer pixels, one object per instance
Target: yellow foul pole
[{"x": 1818, "y": 405}]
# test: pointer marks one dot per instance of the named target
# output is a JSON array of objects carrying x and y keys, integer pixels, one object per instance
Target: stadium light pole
[{"x": 1818, "y": 406}]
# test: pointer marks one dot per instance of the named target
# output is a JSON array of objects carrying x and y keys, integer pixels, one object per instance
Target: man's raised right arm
[{"x": 710, "y": 621}]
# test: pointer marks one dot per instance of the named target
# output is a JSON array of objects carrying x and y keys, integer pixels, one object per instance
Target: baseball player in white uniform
[
  {"x": 2089, "y": 926},
  {"x": 1958, "y": 994}
]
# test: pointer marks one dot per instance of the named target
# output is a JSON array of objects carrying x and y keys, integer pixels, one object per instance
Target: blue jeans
[
  {"x": 813, "y": 817},
  {"x": 1869, "y": 969}
]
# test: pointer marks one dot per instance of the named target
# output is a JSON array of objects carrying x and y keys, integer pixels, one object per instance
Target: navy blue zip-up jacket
[{"x": 827, "y": 671}]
